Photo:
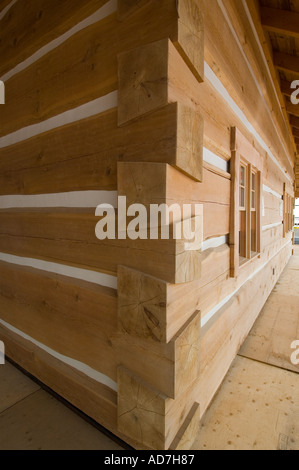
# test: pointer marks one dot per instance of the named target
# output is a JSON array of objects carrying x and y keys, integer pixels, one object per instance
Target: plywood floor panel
[
  {"x": 256, "y": 408},
  {"x": 277, "y": 327}
]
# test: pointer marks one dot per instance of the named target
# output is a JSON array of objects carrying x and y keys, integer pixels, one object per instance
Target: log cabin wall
[{"x": 143, "y": 99}]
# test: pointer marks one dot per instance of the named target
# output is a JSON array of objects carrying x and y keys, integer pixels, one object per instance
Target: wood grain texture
[
  {"x": 140, "y": 403},
  {"x": 149, "y": 183},
  {"x": 74, "y": 318},
  {"x": 84, "y": 155},
  {"x": 189, "y": 36},
  {"x": 32, "y": 24},
  {"x": 68, "y": 237},
  {"x": 189, "y": 430},
  {"x": 38, "y": 92}
]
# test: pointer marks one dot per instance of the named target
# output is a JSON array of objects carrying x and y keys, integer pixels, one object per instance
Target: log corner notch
[
  {"x": 188, "y": 28},
  {"x": 154, "y": 408}
]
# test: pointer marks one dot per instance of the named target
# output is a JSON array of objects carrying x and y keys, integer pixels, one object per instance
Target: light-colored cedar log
[
  {"x": 152, "y": 309},
  {"x": 145, "y": 83},
  {"x": 142, "y": 407},
  {"x": 91, "y": 148},
  {"x": 96, "y": 400},
  {"x": 286, "y": 62},
  {"x": 280, "y": 21},
  {"x": 79, "y": 320},
  {"x": 189, "y": 35},
  {"x": 141, "y": 410},
  {"x": 35, "y": 97},
  {"x": 142, "y": 305},
  {"x": 34, "y": 23},
  {"x": 204, "y": 99},
  {"x": 170, "y": 367},
  {"x": 68, "y": 237},
  {"x": 73, "y": 317},
  {"x": 272, "y": 207},
  {"x": 150, "y": 183},
  {"x": 189, "y": 430}
]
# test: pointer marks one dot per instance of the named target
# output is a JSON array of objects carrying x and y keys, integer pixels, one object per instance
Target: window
[{"x": 245, "y": 231}]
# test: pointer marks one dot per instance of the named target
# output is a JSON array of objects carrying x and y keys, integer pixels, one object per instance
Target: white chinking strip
[
  {"x": 271, "y": 191},
  {"x": 88, "y": 371},
  {"x": 268, "y": 227},
  {"x": 89, "y": 109},
  {"x": 214, "y": 80},
  {"x": 213, "y": 159},
  {"x": 94, "y": 277},
  {"x": 214, "y": 242},
  {"x": 76, "y": 199},
  {"x": 216, "y": 309},
  {"x": 224, "y": 11},
  {"x": 103, "y": 12},
  {"x": 7, "y": 8}
]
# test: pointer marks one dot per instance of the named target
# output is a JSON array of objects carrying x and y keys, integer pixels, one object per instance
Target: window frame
[{"x": 244, "y": 154}]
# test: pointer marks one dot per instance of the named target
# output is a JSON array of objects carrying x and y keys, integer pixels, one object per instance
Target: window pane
[
  {"x": 253, "y": 200},
  {"x": 242, "y": 176},
  {"x": 253, "y": 181},
  {"x": 253, "y": 232},
  {"x": 242, "y": 197},
  {"x": 242, "y": 234}
]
